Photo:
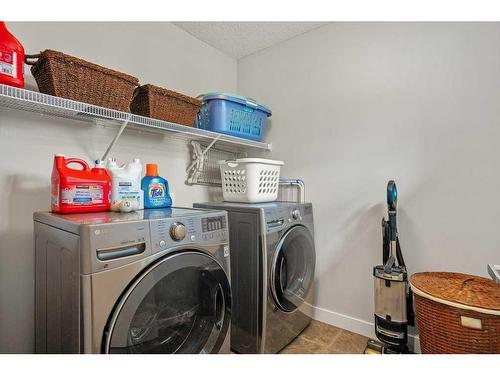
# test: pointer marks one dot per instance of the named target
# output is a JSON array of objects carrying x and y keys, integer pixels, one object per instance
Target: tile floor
[{"x": 322, "y": 338}]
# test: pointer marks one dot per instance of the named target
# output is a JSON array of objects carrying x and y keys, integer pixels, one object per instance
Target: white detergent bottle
[{"x": 126, "y": 184}]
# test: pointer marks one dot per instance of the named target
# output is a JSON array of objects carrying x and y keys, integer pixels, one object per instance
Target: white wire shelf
[{"x": 33, "y": 101}]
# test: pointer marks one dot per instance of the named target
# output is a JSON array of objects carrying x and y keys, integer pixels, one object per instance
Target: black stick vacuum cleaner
[{"x": 393, "y": 297}]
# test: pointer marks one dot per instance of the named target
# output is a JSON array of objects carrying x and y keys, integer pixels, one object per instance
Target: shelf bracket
[
  {"x": 200, "y": 157},
  {"x": 115, "y": 139},
  {"x": 204, "y": 169}
]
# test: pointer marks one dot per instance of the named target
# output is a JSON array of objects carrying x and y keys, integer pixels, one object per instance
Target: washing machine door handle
[
  {"x": 282, "y": 277},
  {"x": 219, "y": 307}
]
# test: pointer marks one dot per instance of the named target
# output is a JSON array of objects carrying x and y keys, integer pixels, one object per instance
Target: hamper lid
[
  {"x": 469, "y": 290},
  {"x": 249, "y": 102}
]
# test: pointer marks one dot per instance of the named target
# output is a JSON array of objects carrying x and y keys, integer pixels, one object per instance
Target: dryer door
[
  {"x": 292, "y": 270},
  {"x": 181, "y": 304}
]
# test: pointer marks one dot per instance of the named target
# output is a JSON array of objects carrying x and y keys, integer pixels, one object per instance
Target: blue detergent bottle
[{"x": 156, "y": 193}]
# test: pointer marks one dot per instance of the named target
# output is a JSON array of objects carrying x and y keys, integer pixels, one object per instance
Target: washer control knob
[
  {"x": 296, "y": 214},
  {"x": 178, "y": 231}
]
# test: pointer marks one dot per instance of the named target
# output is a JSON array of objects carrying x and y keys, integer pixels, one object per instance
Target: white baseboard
[
  {"x": 361, "y": 327},
  {"x": 349, "y": 323}
]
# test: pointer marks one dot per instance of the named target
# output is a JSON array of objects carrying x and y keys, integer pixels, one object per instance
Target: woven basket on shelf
[
  {"x": 456, "y": 313},
  {"x": 163, "y": 104},
  {"x": 72, "y": 78}
]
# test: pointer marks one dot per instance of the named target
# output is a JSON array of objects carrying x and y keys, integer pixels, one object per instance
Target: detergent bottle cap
[
  {"x": 99, "y": 163},
  {"x": 152, "y": 170}
]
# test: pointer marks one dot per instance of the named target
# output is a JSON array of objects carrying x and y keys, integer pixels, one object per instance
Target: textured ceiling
[{"x": 240, "y": 39}]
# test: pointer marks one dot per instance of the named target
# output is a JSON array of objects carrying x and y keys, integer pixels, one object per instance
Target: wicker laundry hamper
[
  {"x": 456, "y": 313},
  {"x": 167, "y": 105},
  {"x": 72, "y": 78}
]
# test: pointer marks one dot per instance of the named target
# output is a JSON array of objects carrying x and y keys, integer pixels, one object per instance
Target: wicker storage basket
[
  {"x": 163, "y": 104},
  {"x": 72, "y": 78},
  {"x": 456, "y": 313}
]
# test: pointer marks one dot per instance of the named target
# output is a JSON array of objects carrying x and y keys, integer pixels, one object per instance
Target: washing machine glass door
[
  {"x": 292, "y": 269},
  {"x": 181, "y": 304}
]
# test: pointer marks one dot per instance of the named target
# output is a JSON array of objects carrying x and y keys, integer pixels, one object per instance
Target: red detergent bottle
[
  {"x": 79, "y": 190},
  {"x": 11, "y": 59}
]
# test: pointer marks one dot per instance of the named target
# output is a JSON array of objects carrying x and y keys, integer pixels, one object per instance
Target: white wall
[
  {"x": 158, "y": 53},
  {"x": 357, "y": 104}
]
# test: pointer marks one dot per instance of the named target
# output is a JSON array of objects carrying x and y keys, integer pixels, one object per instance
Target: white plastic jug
[{"x": 126, "y": 184}]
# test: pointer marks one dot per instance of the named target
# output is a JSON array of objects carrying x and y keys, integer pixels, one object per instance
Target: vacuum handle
[{"x": 392, "y": 195}]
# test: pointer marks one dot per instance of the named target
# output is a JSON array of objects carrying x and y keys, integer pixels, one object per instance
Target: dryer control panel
[{"x": 277, "y": 219}]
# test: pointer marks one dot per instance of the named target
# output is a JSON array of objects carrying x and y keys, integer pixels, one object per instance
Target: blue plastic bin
[{"x": 233, "y": 115}]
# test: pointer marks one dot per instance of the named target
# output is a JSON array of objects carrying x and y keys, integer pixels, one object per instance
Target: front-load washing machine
[
  {"x": 272, "y": 273},
  {"x": 151, "y": 281}
]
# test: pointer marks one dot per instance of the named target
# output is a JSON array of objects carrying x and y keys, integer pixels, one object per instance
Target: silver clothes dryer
[
  {"x": 151, "y": 281},
  {"x": 272, "y": 273}
]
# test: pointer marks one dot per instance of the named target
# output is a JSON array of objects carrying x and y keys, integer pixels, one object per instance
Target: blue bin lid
[{"x": 249, "y": 102}]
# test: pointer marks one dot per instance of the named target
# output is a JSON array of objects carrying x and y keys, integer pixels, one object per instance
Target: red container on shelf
[
  {"x": 79, "y": 190},
  {"x": 11, "y": 59}
]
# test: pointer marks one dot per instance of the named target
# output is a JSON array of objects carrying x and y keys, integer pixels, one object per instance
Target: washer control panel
[
  {"x": 213, "y": 227},
  {"x": 171, "y": 232},
  {"x": 178, "y": 231},
  {"x": 278, "y": 218}
]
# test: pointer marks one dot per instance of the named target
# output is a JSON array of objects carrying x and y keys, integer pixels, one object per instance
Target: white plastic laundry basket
[{"x": 250, "y": 180}]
